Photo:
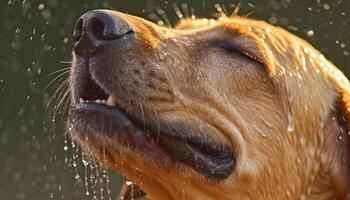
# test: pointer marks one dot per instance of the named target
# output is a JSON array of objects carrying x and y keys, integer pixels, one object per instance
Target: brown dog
[{"x": 231, "y": 108}]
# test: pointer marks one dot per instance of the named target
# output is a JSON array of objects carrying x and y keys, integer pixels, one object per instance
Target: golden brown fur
[{"x": 283, "y": 108}]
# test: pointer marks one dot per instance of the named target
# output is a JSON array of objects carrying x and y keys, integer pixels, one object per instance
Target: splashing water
[{"x": 95, "y": 178}]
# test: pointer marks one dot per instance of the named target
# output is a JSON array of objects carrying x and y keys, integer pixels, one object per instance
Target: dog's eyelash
[
  {"x": 233, "y": 51},
  {"x": 228, "y": 48}
]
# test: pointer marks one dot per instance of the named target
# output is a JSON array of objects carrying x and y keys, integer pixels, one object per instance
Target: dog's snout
[{"x": 98, "y": 28}]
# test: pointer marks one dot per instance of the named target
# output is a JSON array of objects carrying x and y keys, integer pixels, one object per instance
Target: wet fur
[{"x": 278, "y": 101}]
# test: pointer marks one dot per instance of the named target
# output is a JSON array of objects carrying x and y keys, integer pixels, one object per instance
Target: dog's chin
[
  {"x": 96, "y": 119},
  {"x": 104, "y": 130}
]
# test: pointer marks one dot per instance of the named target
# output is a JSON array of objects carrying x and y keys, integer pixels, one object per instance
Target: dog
[{"x": 227, "y": 108}]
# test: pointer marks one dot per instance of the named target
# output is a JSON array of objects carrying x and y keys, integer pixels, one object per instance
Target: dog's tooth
[
  {"x": 81, "y": 100},
  {"x": 103, "y": 101},
  {"x": 98, "y": 101},
  {"x": 111, "y": 101}
]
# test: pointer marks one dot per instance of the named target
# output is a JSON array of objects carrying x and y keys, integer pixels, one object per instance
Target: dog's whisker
[
  {"x": 49, "y": 104},
  {"x": 62, "y": 85},
  {"x": 128, "y": 108},
  {"x": 58, "y": 91},
  {"x": 63, "y": 99},
  {"x": 158, "y": 125},
  {"x": 55, "y": 79},
  {"x": 143, "y": 115},
  {"x": 68, "y": 102},
  {"x": 57, "y": 71},
  {"x": 65, "y": 62}
]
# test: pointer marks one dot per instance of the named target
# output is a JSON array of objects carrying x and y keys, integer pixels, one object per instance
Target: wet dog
[{"x": 231, "y": 108}]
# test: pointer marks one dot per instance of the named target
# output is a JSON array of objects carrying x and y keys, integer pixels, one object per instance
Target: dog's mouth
[{"x": 97, "y": 112}]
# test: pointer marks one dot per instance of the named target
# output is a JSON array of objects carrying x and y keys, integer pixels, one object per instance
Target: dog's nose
[{"x": 98, "y": 28}]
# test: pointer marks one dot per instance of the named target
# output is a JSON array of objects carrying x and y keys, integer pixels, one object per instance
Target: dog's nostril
[
  {"x": 78, "y": 30},
  {"x": 104, "y": 28},
  {"x": 97, "y": 28}
]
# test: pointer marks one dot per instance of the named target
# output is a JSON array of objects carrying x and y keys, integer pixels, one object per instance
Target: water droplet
[
  {"x": 267, "y": 123},
  {"x": 128, "y": 183},
  {"x": 65, "y": 40},
  {"x": 326, "y": 6},
  {"x": 41, "y": 6},
  {"x": 342, "y": 45},
  {"x": 65, "y": 148},
  {"x": 18, "y": 31},
  {"x": 85, "y": 162},
  {"x": 163, "y": 55},
  {"x": 310, "y": 33},
  {"x": 290, "y": 127},
  {"x": 77, "y": 176},
  {"x": 263, "y": 135}
]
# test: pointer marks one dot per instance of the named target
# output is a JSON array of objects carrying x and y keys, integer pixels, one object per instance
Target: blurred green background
[{"x": 35, "y": 40}]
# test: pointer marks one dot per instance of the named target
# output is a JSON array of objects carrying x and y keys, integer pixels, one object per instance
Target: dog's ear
[{"x": 337, "y": 133}]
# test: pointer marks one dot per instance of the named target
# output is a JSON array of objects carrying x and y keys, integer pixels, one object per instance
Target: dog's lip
[{"x": 214, "y": 163}]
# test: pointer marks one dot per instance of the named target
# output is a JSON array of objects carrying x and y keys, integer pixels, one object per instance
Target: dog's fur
[{"x": 275, "y": 99}]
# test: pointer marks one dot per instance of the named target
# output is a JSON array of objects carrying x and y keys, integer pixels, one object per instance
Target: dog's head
[{"x": 231, "y": 107}]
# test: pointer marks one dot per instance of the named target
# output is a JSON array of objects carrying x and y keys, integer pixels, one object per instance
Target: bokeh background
[{"x": 36, "y": 162}]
